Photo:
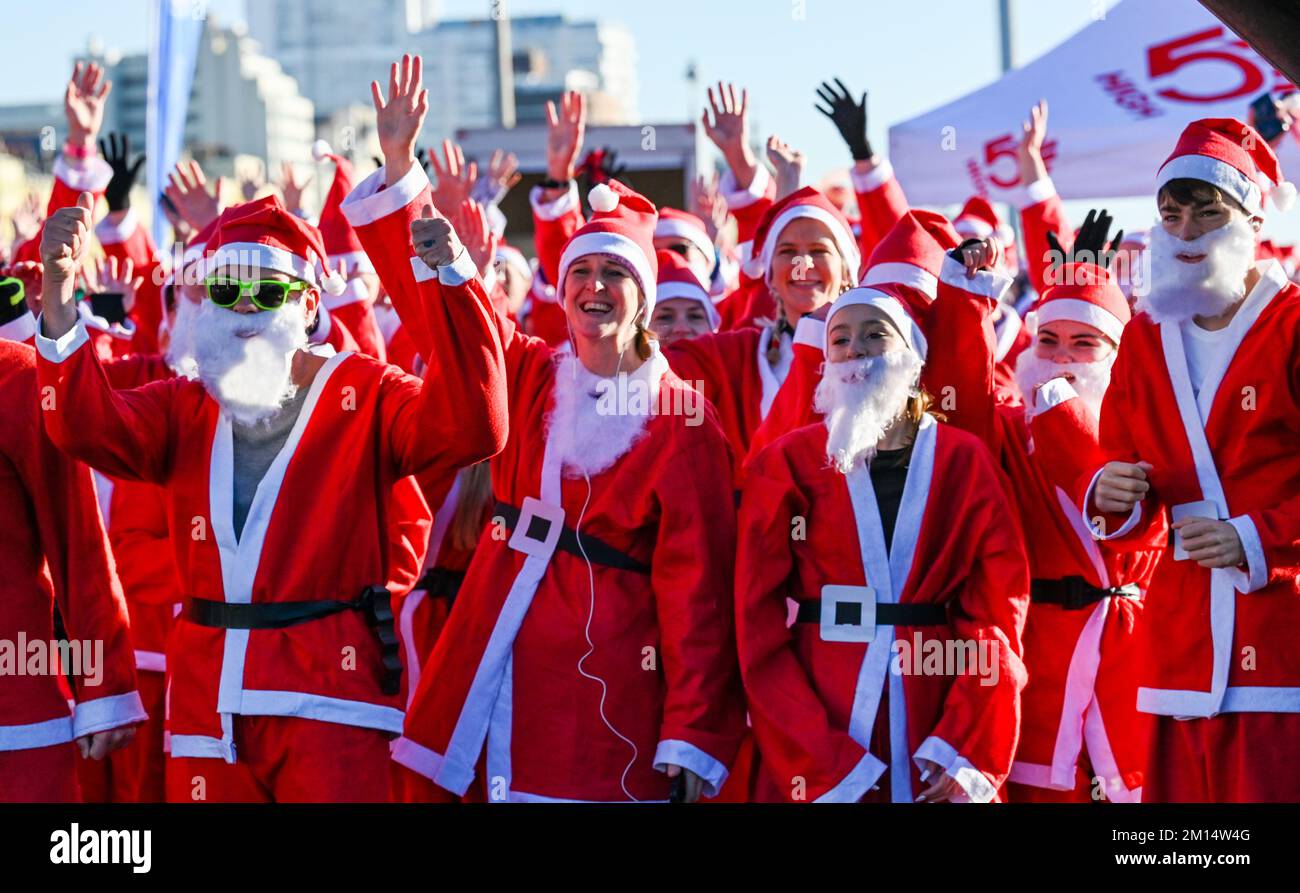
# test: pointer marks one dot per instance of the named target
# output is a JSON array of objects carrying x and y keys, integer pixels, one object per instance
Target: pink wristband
[{"x": 77, "y": 151}]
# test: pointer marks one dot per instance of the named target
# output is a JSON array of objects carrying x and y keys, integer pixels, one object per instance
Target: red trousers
[
  {"x": 287, "y": 759},
  {"x": 1229, "y": 758},
  {"x": 133, "y": 774},
  {"x": 39, "y": 775}
]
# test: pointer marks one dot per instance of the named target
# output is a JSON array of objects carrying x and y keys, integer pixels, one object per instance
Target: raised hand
[
  {"x": 110, "y": 277},
  {"x": 83, "y": 104},
  {"x": 434, "y": 239},
  {"x": 475, "y": 232},
  {"x": 27, "y": 217},
  {"x": 64, "y": 243},
  {"x": 1029, "y": 153},
  {"x": 729, "y": 131},
  {"x": 501, "y": 176},
  {"x": 291, "y": 187},
  {"x": 455, "y": 178},
  {"x": 250, "y": 186},
  {"x": 788, "y": 163},
  {"x": 1091, "y": 245},
  {"x": 565, "y": 129},
  {"x": 849, "y": 117},
  {"x": 117, "y": 152},
  {"x": 188, "y": 190},
  {"x": 398, "y": 118},
  {"x": 708, "y": 204}
]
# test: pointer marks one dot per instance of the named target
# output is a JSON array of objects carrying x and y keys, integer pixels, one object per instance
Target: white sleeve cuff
[
  {"x": 370, "y": 201},
  {"x": 101, "y": 714},
  {"x": 1133, "y": 517},
  {"x": 858, "y": 782},
  {"x": 985, "y": 283},
  {"x": 553, "y": 210},
  {"x": 1256, "y": 563},
  {"x": 83, "y": 175},
  {"x": 688, "y": 756},
  {"x": 1035, "y": 192},
  {"x": 1053, "y": 394},
  {"x": 110, "y": 233},
  {"x": 870, "y": 181},
  {"x": 811, "y": 332},
  {"x": 973, "y": 782},
  {"x": 56, "y": 350},
  {"x": 743, "y": 198},
  {"x": 458, "y": 272}
]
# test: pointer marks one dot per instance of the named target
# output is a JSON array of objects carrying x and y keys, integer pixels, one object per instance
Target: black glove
[
  {"x": 117, "y": 153},
  {"x": 1090, "y": 245},
  {"x": 849, "y": 117}
]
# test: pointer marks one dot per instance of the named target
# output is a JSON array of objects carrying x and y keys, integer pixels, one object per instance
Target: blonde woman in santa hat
[
  {"x": 589, "y": 654},
  {"x": 899, "y": 679},
  {"x": 1198, "y": 426}
]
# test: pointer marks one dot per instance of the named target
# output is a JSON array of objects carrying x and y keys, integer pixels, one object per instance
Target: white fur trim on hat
[
  {"x": 1078, "y": 310},
  {"x": 618, "y": 246},
  {"x": 602, "y": 199},
  {"x": 902, "y": 273},
  {"x": 1216, "y": 173},
  {"x": 761, "y": 266},
  {"x": 890, "y": 306},
  {"x": 972, "y": 227},
  {"x": 668, "y": 291},
  {"x": 320, "y": 150},
  {"x": 667, "y": 228},
  {"x": 265, "y": 257}
]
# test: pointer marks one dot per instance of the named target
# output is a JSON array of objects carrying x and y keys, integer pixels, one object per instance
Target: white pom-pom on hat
[
  {"x": 320, "y": 150},
  {"x": 333, "y": 283},
  {"x": 603, "y": 199},
  {"x": 1283, "y": 195}
]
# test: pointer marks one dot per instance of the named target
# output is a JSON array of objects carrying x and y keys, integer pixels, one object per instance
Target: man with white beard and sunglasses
[
  {"x": 1200, "y": 427},
  {"x": 895, "y": 537},
  {"x": 278, "y": 463}
]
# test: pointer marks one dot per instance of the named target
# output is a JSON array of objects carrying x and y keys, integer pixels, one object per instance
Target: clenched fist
[
  {"x": 435, "y": 241},
  {"x": 63, "y": 247},
  {"x": 1121, "y": 486}
]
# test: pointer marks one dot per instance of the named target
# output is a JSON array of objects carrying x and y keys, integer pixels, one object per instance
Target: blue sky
[{"x": 910, "y": 57}]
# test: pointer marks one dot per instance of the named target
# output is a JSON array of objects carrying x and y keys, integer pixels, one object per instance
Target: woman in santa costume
[
  {"x": 896, "y": 675},
  {"x": 589, "y": 654},
  {"x": 1199, "y": 429}
]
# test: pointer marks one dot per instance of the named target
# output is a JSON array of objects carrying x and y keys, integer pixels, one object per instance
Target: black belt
[
  {"x": 596, "y": 551},
  {"x": 1074, "y": 593},
  {"x": 887, "y": 613},
  {"x": 375, "y": 601},
  {"x": 441, "y": 583}
]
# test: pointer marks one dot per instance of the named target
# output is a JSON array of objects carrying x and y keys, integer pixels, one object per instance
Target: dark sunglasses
[{"x": 266, "y": 294}]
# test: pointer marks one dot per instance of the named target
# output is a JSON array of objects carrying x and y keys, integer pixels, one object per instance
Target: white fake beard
[
  {"x": 249, "y": 377},
  {"x": 587, "y": 439},
  {"x": 1090, "y": 379},
  {"x": 1180, "y": 291},
  {"x": 180, "y": 341},
  {"x": 860, "y": 400}
]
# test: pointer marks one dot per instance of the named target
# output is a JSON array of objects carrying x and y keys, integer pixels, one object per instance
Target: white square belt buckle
[
  {"x": 848, "y": 614},
  {"x": 539, "y": 528},
  {"x": 1203, "y": 509}
]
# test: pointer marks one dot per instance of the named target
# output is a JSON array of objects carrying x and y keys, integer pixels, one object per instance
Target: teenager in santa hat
[
  {"x": 261, "y": 706},
  {"x": 1198, "y": 427},
  {"x": 899, "y": 679},
  {"x": 613, "y": 531},
  {"x": 683, "y": 308}
]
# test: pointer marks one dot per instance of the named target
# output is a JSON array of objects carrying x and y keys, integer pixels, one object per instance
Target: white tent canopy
[{"x": 1119, "y": 91}]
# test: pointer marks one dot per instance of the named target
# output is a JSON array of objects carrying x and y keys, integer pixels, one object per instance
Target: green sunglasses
[
  {"x": 12, "y": 292},
  {"x": 266, "y": 294}
]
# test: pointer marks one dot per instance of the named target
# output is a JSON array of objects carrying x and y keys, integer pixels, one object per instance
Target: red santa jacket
[
  {"x": 815, "y": 704},
  {"x": 1223, "y": 640},
  {"x": 137, "y": 526},
  {"x": 363, "y": 427},
  {"x": 54, "y": 551}
]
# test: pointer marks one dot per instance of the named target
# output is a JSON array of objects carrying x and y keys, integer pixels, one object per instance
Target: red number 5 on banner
[{"x": 1169, "y": 57}]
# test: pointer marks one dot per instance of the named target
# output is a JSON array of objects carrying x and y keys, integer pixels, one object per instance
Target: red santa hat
[
  {"x": 978, "y": 220},
  {"x": 622, "y": 225},
  {"x": 806, "y": 203},
  {"x": 912, "y": 253},
  {"x": 678, "y": 280},
  {"x": 263, "y": 235},
  {"x": 1231, "y": 155},
  {"x": 340, "y": 239},
  {"x": 894, "y": 311},
  {"x": 675, "y": 224},
  {"x": 513, "y": 257},
  {"x": 1087, "y": 295}
]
